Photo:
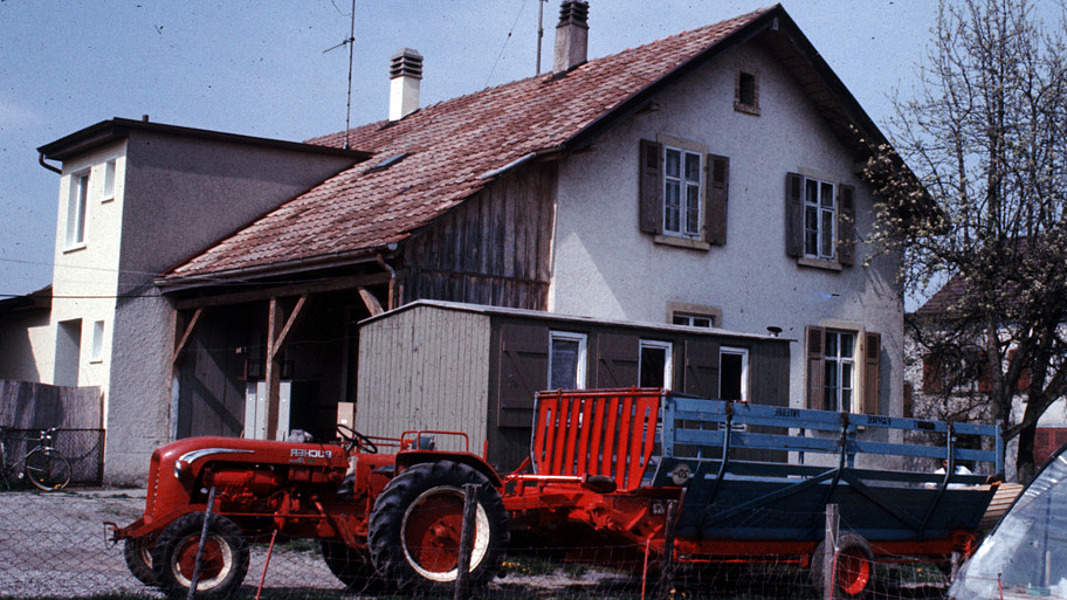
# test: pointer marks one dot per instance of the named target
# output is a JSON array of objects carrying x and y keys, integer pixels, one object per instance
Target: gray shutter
[
  {"x": 794, "y": 215},
  {"x": 814, "y": 338},
  {"x": 523, "y": 370},
  {"x": 718, "y": 187},
  {"x": 617, "y": 360},
  {"x": 701, "y": 376},
  {"x": 651, "y": 187},
  {"x": 872, "y": 374},
  {"x": 846, "y": 226}
]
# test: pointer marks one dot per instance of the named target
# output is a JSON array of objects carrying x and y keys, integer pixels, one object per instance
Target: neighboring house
[
  {"x": 954, "y": 384},
  {"x": 678, "y": 204}
]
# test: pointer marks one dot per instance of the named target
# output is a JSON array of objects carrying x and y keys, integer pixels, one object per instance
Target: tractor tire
[
  {"x": 854, "y": 576},
  {"x": 224, "y": 560},
  {"x": 415, "y": 527},
  {"x": 138, "y": 554},
  {"x": 352, "y": 566}
]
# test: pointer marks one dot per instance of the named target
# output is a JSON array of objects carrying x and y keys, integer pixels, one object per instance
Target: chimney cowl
[
  {"x": 405, "y": 74},
  {"x": 572, "y": 36}
]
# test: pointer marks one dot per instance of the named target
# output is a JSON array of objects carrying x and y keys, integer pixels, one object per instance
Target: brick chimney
[
  {"x": 405, "y": 74},
  {"x": 572, "y": 36}
]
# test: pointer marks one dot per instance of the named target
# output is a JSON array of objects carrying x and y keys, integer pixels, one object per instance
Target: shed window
[
  {"x": 655, "y": 364},
  {"x": 566, "y": 360}
]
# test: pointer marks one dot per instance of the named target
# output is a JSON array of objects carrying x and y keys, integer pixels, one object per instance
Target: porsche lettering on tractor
[{"x": 604, "y": 465}]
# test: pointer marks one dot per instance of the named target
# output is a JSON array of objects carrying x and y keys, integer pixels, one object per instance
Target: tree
[{"x": 986, "y": 140}]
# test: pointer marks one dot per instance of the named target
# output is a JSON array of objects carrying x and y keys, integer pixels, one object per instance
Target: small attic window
[
  {"x": 387, "y": 162},
  {"x": 746, "y": 93}
]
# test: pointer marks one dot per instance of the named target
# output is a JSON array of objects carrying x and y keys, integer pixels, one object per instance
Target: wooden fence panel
[{"x": 29, "y": 405}]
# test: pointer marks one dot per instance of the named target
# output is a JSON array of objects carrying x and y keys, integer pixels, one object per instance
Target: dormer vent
[
  {"x": 572, "y": 36},
  {"x": 405, "y": 74}
]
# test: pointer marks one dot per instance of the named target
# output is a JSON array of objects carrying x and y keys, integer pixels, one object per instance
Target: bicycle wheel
[{"x": 47, "y": 469}]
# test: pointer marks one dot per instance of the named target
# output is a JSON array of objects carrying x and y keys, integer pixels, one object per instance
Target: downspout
[
  {"x": 40, "y": 159},
  {"x": 392, "y": 281}
]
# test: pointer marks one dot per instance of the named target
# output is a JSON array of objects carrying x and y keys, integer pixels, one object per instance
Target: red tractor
[{"x": 401, "y": 512}]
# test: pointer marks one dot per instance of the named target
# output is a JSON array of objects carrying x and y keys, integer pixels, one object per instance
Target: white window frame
[
  {"x": 824, "y": 213},
  {"x": 743, "y": 353},
  {"x": 668, "y": 360},
  {"x": 97, "y": 354},
  {"x": 688, "y": 225},
  {"x": 834, "y": 390},
  {"x": 694, "y": 320},
  {"x": 77, "y": 206},
  {"x": 580, "y": 371},
  {"x": 109, "y": 180}
]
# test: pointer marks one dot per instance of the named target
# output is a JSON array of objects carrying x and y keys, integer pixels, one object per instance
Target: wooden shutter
[
  {"x": 523, "y": 370},
  {"x": 933, "y": 374},
  {"x": 814, "y": 338},
  {"x": 651, "y": 187},
  {"x": 701, "y": 376},
  {"x": 617, "y": 360},
  {"x": 718, "y": 187},
  {"x": 846, "y": 225},
  {"x": 870, "y": 401},
  {"x": 794, "y": 215}
]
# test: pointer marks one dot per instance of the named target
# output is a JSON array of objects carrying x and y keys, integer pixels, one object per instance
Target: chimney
[
  {"x": 572, "y": 36},
  {"x": 405, "y": 72}
]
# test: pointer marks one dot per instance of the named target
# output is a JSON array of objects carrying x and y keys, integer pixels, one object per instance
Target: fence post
[
  {"x": 666, "y": 576},
  {"x": 200, "y": 549},
  {"x": 466, "y": 539},
  {"x": 829, "y": 552}
]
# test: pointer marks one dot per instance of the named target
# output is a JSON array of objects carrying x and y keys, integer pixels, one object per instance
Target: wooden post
[
  {"x": 200, "y": 549},
  {"x": 466, "y": 539},
  {"x": 273, "y": 373},
  {"x": 666, "y": 575},
  {"x": 829, "y": 553}
]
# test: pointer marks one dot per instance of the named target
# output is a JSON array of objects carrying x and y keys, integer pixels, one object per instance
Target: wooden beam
[
  {"x": 276, "y": 345},
  {"x": 296, "y": 289},
  {"x": 273, "y": 369},
  {"x": 189, "y": 329},
  {"x": 372, "y": 303}
]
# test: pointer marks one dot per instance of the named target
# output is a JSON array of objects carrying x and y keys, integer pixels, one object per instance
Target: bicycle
[{"x": 44, "y": 465}]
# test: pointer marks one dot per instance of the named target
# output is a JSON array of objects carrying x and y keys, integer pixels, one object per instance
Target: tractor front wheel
[
  {"x": 351, "y": 565},
  {"x": 416, "y": 522},
  {"x": 223, "y": 559},
  {"x": 138, "y": 554}
]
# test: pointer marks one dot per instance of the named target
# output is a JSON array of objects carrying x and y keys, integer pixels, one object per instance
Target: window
[
  {"x": 733, "y": 374},
  {"x": 693, "y": 320},
  {"x": 654, "y": 364},
  {"x": 98, "y": 342},
  {"x": 821, "y": 226},
  {"x": 566, "y": 360},
  {"x": 843, "y": 370},
  {"x": 109, "y": 181},
  {"x": 840, "y": 368},
  {"x": 746, "y": 93},
  {"x": 683, "y": 193},
  {"x": 76, "y": 205}
]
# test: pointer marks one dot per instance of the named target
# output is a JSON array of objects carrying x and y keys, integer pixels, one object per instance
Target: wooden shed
[{"x": 476, "y": 369}]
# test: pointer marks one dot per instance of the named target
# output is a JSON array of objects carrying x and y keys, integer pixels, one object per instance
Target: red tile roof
[{"x": 450, "y": 148}]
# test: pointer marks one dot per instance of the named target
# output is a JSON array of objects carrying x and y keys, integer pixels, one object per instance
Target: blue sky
[{"x": 259, "y": 68}]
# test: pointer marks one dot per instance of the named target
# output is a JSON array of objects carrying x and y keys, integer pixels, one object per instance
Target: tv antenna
[{"x": 351, "y": 43}]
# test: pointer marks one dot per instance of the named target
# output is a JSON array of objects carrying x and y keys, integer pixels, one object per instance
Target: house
[
  {"x": 947, "y": 377},
  {"x": 700, "y": 188}
]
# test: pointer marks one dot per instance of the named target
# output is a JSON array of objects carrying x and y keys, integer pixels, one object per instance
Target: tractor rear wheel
[
  {"x": 351, "y": 565},
  {"x": 138, "y": 554},
  {"x": 416, "y": 522},
  {"x": 854, "y": 567},
  {"x": 223, "y": 560}
]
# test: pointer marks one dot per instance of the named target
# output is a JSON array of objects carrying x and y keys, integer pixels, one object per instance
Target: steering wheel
[{"x": 354, "y": 439}]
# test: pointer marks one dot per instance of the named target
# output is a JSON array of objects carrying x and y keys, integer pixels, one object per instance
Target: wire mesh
[{"x": 54, "y": 545}]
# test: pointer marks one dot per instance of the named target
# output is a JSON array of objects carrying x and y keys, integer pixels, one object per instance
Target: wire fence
[
  {"x": 53, "y": 545},
  {"x": 83, "y": 448}
]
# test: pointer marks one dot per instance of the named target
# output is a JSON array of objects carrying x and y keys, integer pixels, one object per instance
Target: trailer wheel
[
  {"x": 416, "y": 522},
  {"x": 138, "y": 555},
  {"x": 854, "y": 572},
  {"x": 224, "y": 560},
  {"x": 351, "y": 565}
]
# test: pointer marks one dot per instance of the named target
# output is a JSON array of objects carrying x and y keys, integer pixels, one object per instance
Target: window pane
[
  {"x": 831, "y": 344},
  {"x": 731, "y": 371},
  {"x": 811, "y": 192},
  {"x": 692, "y": 210},
  {"x": 692, "y": 167},
  {"x": 672, "y": 207},
  {"x": 848, "y": 341},
  {"x": 564, "y": 361},
  {"x": 826, "y": 235},
  {"x": 653, "y": 366},
  {"x": 827, "y": 194},
  {"x": 673, "y": 163}
]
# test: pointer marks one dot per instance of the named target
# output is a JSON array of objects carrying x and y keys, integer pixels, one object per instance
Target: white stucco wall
[
  {"x": 604, "y": 266},
  {"x": 22, "y": 338}
]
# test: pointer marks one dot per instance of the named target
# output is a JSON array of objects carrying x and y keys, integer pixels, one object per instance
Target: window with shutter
[
  {"x": 820, "y": 221},
  {"x": 837, "y": 365},
  {"x": 683, "y": 192}
]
